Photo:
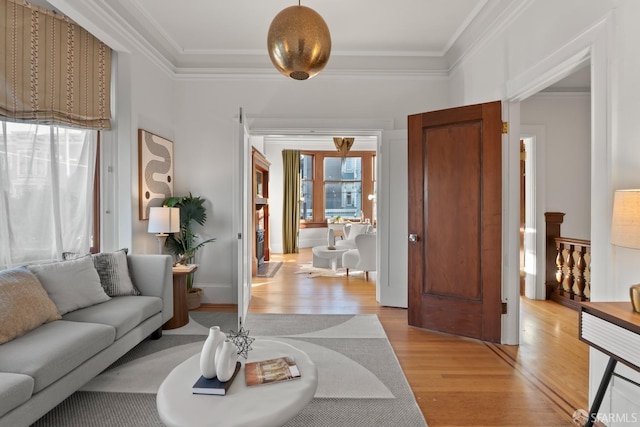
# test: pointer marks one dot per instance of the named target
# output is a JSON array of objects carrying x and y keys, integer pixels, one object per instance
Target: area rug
[
  {"x": 360, "y": 382},
  {"x": 312, "y": 271},
  {"x": 268, "y": 269}
]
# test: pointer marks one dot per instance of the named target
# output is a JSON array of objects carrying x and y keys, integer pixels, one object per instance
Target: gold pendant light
[
  {"x": 299, "y": 42},
  {"x": 343, "y": 145}
]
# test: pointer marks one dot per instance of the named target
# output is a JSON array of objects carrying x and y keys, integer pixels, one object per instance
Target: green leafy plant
[{"x": 185, "y": 244}]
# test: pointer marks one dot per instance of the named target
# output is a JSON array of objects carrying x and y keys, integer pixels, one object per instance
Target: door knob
[{"x": 413, "y": 238}]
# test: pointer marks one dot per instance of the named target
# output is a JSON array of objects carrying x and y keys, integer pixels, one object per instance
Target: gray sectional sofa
[{"x": 42, "y": 367}]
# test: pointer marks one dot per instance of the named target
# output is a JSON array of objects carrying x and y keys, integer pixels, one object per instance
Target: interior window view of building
[{"x": 262, "y": 213}]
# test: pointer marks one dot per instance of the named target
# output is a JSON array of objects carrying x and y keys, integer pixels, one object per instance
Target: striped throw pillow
[{"x": 114, "y": 273}]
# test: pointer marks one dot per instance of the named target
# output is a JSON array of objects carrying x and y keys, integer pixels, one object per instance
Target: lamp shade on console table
[
  {"x": 625, "y": 229},
  {"x": 180, "y": 310}
]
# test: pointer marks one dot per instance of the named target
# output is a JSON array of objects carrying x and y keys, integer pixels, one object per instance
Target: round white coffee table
[
  {"x": 262, "y": 405},
  {"x": 323, "y": 257}
]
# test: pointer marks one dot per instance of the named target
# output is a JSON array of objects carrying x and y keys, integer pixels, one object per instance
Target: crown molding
[
  {"x": 489, "y": 23},
  {"x": 100, "y": 19},
  {"x": 272, "y": 74},
  {"x": 109, "y": 21}
]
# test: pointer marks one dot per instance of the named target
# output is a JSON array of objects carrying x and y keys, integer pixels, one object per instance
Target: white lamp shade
[
  {"x": 164, "y": 220},
  {"x": 625, "y": 223}
]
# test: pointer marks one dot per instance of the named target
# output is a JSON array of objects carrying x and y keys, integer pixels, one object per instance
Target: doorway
[
  {"x": 272, "y": 141},
  {"x": 553, "y": 177},
  {"x": 563, "y": 116}
]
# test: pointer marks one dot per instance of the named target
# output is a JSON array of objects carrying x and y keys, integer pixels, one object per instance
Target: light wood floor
[{"x": 456, "y": 381}]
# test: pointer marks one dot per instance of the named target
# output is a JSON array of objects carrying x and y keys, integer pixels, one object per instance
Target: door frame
[
  {"x": 242, "y": 206},
  {"x": 535, "y": 191},
  {"x": 388, "y": 292},
  {"x": 592, "y": 46}
]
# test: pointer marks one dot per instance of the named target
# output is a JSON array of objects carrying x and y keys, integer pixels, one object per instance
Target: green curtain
[{"x": 291, "y": 200}]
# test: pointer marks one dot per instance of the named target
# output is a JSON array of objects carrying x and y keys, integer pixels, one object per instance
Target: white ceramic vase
[
  {"x": 208, "y": 355},
  {"x": 226, "y": 358},
  {"x": 331, "y": 239}
]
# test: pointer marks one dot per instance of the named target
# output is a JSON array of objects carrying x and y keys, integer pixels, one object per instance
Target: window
[
  {"x": 306, "y": 183},
  {"x": 342, "y": 184},
  {"x": 331, "y": 187},
  {"x": 47, "y": 181}
]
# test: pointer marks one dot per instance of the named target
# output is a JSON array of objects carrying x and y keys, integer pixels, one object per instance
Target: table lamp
[
  {"x": 625, "y": 229},
  {"x": 163, "y": 220}
]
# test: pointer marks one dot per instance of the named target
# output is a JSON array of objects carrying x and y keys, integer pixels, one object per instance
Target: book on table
[
  {"x": 213, "y": 385},
  {"x": 271, "y": 371}
]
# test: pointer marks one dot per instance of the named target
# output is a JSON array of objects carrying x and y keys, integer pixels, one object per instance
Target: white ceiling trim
[
  {"x": 486, "y": 16},
  {"x": 493, "y": 26},
  {"x": 270, "y": 74},
  {"x": 136, "y": 8},
  {"x": 465, "y": 24},
  {"x": 348, "y": 53},
  {"x": 318, "y": 128},
  {"x": 119, "y": 29}
]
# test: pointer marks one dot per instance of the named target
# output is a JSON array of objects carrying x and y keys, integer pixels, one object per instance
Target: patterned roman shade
[{"x": 52, "y": 71}]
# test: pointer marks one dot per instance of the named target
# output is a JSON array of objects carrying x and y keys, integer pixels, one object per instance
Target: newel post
[{"x": 553, "y": 221}]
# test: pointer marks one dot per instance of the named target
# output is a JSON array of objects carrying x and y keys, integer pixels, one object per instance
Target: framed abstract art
[{"x": 155, "y": 170}]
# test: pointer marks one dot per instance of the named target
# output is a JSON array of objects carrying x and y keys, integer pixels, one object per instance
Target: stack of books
[
  {"x": 262, "y": 372},
  {"x": 213, "y": 385}
]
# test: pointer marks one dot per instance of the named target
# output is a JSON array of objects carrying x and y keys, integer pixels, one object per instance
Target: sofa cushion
[
  {"x": 123, "y": 313},
  {"x": 113, "y": 270},
  {"x": 24, "y": 304},
  {"x": 71, "y": 284},
  {"x": 114, "y": 273},
  {"x": 15, "y": 389},
  {"x": 54, "y": 349}
]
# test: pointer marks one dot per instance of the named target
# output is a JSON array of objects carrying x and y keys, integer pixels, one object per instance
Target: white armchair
[
  {"x": 350, "y": 232},
  {"x": 363, "y": 257}
]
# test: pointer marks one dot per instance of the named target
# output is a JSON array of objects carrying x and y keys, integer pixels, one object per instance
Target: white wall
[
  {"x": 144, "y": 98},
  {"x": 393, "y": 220},
  {"x": 526, "y": 39},
  {"x": 154, "y": 111},
  {"x": 625, "y": 162},
  {"x": 566, "y": 118},
  {"x": 204, "y": 135},
  {"x": 541, "y": 34}
]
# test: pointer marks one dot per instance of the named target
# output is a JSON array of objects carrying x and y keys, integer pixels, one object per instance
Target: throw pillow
[
  {"x": 113, "y": 270},
  {"x": 24, "y": 304},
  {"x": 114, "y": 273},
  {"x": 71, "y": 284}
]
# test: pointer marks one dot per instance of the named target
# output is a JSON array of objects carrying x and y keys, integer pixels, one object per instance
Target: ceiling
[
  {"x": 381, "y": 38},
  {"x": 415, "y": 37}
]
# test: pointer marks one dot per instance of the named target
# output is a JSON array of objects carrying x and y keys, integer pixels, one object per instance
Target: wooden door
[{"x": 455, "y": 220}]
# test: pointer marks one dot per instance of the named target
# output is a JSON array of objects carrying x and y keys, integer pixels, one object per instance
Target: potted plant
[{"x": 185, "y": 244}]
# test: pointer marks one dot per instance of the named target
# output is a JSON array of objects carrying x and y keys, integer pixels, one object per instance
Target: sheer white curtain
[{"x": 46, "y": 192}]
